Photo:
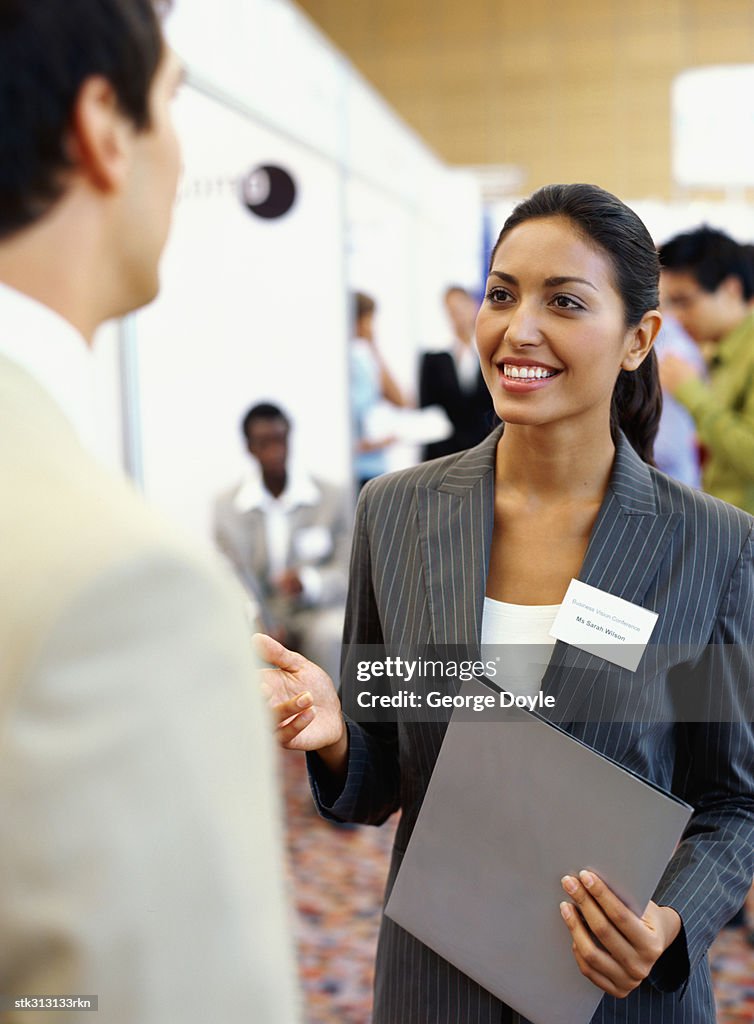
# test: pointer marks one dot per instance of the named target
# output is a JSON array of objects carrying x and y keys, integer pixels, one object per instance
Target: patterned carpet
[{"x": 338, "y": 877}]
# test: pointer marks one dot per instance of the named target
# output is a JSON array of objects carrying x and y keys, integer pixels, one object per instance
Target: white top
[
  {"x": 527, "y": 627},
  {"x": 54, "y": 353},
  {"x": 466, "y": 359},
  {"x": 299, "y": 490}
]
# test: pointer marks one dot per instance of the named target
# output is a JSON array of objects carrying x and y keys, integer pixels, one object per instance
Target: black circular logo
[{"x": 268, "y": 191}]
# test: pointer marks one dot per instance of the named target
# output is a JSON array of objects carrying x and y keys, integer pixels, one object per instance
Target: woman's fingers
[
  {"x": 292, "y": 717},
  {"x": 592, "y": 973},
  {"x": 272, "y": 651},
  {"x": 595, "y": 963},
  {"x": 293, "y": 727},
  {"x": 625, "y": 921},
  {"x": 289, "y": 708},
  {"x": 298, "y": 692},
  {"x": 611, "y": 944},
  {"x": 644, "y": 941},
  {"x": 602, "y": 926}
]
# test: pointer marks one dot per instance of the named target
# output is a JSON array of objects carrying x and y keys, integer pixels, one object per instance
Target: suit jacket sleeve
[
  {"x": 372, "y": 788},
  {"x": 138, "y": 778},
  {"x": 729, "y": 433},
  {"x": 711, "y": 871},
  {"x": 332, "y": 573},
  {"x": 426, "y": 393},
  {"x": 222, "y": 535},
  {"x": 226, "y": 544}
]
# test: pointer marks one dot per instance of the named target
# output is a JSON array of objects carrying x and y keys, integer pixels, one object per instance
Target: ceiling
[{"x": 565, "y": 90}]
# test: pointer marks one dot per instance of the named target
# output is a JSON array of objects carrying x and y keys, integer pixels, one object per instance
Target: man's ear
[
  {"x": 101, "y": 135},
  {"x": 642, "y": 338},
  {"x": 732, "y": 287}
]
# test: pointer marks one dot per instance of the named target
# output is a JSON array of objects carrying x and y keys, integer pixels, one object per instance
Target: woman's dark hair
[
  {"x": 48, "y": 48},
  {"x": 362, "y": 305},
  {"x": 605, "y": 222}
]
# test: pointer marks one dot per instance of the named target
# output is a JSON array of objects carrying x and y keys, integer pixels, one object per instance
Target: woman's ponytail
[{"x": 636, "y": 407}]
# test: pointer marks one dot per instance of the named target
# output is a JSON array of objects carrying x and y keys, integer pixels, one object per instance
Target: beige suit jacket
[{"x": 140, "y": 848}]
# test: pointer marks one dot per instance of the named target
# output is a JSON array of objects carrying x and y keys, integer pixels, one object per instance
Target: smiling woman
[
  {"x": 479, "y": 548},
  {"x": 572, "y": 293}
]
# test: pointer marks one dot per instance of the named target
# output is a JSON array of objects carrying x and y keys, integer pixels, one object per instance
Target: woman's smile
[
  {"x": 521, "y": 375},
  {"x": 551, "y": 332}
]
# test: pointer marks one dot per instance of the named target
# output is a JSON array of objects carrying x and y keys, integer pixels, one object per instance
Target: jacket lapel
[
  {"x": 624, "y": 554},
  {"x": 455, "y": 519},
  {"x": 625, "y": 551}
]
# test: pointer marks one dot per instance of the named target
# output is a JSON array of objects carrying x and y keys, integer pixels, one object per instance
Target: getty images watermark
[{"x": 659, "y": 683}]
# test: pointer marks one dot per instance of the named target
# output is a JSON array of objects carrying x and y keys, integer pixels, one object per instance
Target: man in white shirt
[
  {"x": 288, "y": 536},
  {"x": 140, "y": 850}
]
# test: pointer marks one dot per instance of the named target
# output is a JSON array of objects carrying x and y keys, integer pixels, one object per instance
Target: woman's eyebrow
[
  {"x": 549, "y": 282},
  {"x": 553, "y": 282}
]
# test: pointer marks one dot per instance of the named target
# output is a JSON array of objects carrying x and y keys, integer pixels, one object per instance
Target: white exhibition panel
[
  {"x": 713, "y": 126},
  {"x": 270, "y": 57},
  {"x": 664, "y": 220},
  {"x": 249, "y": 310},
  {"x": 253, "y": 309},
  {"x": 667, "y": 219}
]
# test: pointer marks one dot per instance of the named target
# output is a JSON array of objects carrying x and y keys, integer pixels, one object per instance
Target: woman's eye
[
  {"x": 499, "y": 295},
  {"x": 566, "y": 302}
]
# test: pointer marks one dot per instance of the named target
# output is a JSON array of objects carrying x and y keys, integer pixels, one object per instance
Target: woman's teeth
[{"x": 527, "y": 372}]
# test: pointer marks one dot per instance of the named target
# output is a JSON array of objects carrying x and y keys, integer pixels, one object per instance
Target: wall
[
  {"x": 569, "y": 90},
  {"x": 253, "y": 309}
]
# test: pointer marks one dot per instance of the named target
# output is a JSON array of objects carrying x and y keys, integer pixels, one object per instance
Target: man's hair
[
  {"x": 262, "y": 411},
  {"x": 48, "y": 49},
  {"x": 710, "y": 256}
]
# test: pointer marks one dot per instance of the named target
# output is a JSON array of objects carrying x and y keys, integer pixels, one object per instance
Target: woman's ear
[
  {"x": 641, "y": 339},
  {"x": 100, "y": 136}
]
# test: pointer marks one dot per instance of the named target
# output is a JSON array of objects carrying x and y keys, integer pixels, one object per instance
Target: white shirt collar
[
  {"x": 53, "y": 352},
  {"x": 300, "y": 489}
]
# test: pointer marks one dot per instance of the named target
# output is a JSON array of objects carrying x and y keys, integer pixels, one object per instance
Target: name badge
[{"x": 603, "y": 624}]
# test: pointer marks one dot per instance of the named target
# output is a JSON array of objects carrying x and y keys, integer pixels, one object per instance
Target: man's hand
[
  {"x": 613, "y": 947},
  {"x": 674, "y": 371},
  {"x": 289, "y": 583}
]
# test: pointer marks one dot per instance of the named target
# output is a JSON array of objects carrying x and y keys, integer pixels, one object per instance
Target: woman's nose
[{"x": 524, "y": 326}]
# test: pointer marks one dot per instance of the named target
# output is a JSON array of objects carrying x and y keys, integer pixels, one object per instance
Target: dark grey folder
[{"x": 514, "y": 803}]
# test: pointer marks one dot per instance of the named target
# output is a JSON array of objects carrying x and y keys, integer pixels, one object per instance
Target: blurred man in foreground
[{"x": 140, "y": 850}]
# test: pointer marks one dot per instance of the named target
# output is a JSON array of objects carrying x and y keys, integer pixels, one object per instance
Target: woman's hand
[
  {"x": 304, "y": 703},
  {"x": 613, "y": 947}
]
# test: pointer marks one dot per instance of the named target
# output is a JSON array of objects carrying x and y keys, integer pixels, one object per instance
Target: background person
[
  {"x": 707, "y": 285},
  {"x": 676, "y": 450},
  {"x": 453, "y": 380},
  {"x": 371, "y": 383},
  {"x": 565, "y": 490},
  {"x": 288, "y": 536},
  {"x": 140, "y": 853}
]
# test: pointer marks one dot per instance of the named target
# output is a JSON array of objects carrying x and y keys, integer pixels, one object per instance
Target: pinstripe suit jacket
[{"x": 418, "y": 576}]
